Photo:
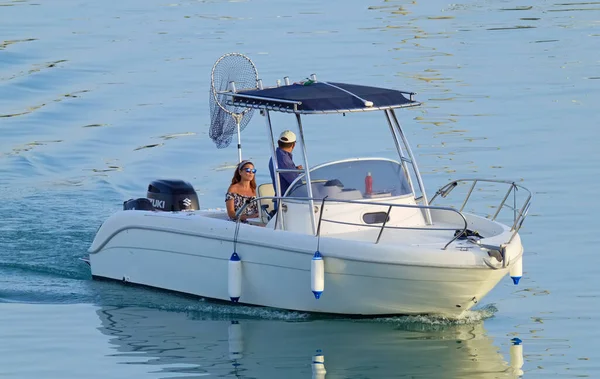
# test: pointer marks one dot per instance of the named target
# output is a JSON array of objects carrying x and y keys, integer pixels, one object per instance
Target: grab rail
[
  {"x": 518, "y": 215},
  {"x": 382, "y": 227}
]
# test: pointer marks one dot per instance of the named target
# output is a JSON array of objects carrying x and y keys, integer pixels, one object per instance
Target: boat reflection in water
[{"x": 200, "y": 344}]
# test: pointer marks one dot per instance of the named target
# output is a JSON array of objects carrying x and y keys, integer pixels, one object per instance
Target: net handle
[{"x": 238, "y": 120}]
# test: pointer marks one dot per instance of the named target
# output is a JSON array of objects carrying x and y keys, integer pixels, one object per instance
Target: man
[{"x": 286, "y": 142}]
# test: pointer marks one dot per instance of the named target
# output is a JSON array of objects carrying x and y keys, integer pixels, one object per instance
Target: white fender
[
  {"x": 317, "y": 275},
  {"x": 516, "y": 270},
  {"x": 234, "y": 284}
]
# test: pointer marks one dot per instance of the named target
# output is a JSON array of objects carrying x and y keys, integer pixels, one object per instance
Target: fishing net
[{"x": 225, "y": 118}]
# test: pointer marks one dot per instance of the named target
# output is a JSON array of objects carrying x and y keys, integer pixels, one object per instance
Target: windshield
[{"x": 349, "y": 180}]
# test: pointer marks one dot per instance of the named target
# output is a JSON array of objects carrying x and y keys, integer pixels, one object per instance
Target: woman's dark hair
[{"x": 237, "y": 176}]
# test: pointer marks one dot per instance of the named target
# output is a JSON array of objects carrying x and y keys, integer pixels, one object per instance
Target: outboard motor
[{"x": 172, "y": 195}]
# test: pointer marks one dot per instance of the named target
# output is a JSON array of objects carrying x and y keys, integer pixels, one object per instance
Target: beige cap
[{"x": 287, "y": 136}]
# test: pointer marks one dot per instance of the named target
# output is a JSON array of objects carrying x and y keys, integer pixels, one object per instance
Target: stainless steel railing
[
  {"x": 519, "y": 211},
  {"x": 383, "y": 226}
]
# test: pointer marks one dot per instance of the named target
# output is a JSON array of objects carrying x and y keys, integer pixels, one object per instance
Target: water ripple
[
  {"x": 34, "y": 108},
  {"x": 5, "y": 44},
  {"x": 37, "y": 68}
]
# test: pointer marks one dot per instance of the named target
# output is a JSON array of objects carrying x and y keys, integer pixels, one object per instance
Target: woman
[{"x": 241, "y": 191}]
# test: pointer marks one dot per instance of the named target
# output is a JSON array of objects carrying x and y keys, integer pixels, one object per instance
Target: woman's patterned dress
[{"x": 240, "y": 200}]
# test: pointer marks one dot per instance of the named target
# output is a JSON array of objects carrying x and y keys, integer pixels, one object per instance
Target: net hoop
[{"x": 214, "y": 91}]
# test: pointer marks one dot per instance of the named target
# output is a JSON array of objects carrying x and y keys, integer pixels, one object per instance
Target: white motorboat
[{"x": 357, "y": 236}]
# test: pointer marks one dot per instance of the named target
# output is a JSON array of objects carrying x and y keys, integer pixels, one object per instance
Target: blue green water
[{"x": 99, "y": 99}]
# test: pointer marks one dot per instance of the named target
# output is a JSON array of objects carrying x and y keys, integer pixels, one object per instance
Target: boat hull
[{"x": 190, "y": 254}]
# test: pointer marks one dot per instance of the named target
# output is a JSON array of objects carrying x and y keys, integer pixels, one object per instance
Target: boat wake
[
  {"x": 210, "y": 310},
  {"x": 42, "y": 270},
  {"x": 428, "y": 322}
]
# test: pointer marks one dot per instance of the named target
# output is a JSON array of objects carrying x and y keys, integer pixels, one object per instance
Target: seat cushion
[{"x": 263, "y": 190}]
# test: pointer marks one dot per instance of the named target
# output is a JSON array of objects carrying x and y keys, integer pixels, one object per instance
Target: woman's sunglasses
[{"x": 252, "y": 170}]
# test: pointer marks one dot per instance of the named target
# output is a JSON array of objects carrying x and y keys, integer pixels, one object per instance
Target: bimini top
[{"x": 323, "y": 97}]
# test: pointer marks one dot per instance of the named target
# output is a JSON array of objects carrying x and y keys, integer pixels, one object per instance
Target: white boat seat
[{"x": 265, "y": 206}]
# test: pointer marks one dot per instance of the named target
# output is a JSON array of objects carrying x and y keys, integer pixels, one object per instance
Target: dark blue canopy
[{"x": 324, "y": 97}]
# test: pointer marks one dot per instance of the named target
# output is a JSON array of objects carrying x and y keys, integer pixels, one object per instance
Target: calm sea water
[{"x": 99, "y": 99}]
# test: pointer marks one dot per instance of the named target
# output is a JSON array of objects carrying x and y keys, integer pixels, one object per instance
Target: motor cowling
[{"x": 172, "y": 195}]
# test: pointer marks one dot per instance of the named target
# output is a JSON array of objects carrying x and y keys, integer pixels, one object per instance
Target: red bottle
[{"x": 368, "y": 184}]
